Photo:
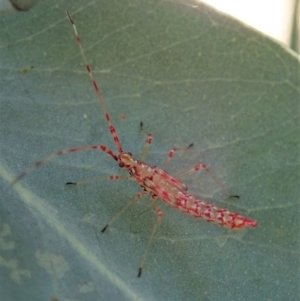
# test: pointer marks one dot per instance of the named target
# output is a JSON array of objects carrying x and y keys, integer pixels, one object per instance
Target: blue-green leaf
[{"x": 191, "y": 75}]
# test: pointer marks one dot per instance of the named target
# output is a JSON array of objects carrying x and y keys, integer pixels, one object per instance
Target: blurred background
[{"x": 276, "y": 18}]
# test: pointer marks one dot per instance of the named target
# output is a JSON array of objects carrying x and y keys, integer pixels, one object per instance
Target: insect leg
[
  {"x": 64, "y": 152},
  {"x": 137, "y": 196},
  {"x": 111, "y": 177},
  {"x": 159, "y": 217},
  {"x": 201, "y": 166},
  {"x": 146, "y": 148},
  {"x": 171, "y": 154}
]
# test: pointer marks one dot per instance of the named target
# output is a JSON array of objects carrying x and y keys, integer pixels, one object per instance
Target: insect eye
[
  {"x": 121, "y": 164},
  {"x": 130, "y": 154}
]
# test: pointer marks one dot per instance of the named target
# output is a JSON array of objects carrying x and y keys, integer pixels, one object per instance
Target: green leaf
[{"x": 191, "y": 75}]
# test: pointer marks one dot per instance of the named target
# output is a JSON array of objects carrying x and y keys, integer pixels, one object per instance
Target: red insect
[{"x": 153, "y": 180}]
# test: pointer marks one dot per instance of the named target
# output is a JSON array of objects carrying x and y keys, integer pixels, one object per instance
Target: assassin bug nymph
[{"x": 154, "y": 181}]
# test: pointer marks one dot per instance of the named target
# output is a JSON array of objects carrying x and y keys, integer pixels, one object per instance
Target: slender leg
[
  {"x": 64, "y": 152},
  {"x": 201, "y": 166},
  {"x": 159, "y": 217},
  {"x": 146, "y": 148},
  {"x": 171, "y": 154},
  {"x": 137, "y": 196},
  {"x": 111, "y": 177}
]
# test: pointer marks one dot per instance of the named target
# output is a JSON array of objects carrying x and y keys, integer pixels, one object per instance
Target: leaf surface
[{"x": 191, "y": 75}]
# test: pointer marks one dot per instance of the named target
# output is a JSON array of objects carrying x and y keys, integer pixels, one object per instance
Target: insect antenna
[
  {"x": 96, "y": 88},
  {"x": 84, "y": 148}
]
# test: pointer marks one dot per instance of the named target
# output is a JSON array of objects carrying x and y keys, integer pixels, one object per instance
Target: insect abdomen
[
  {"x": 213, "y": 214},
  {"x": 187, "y": 203}
]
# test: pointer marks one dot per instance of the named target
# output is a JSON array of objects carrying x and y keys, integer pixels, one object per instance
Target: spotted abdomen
[{"x": 213, "y": 214}]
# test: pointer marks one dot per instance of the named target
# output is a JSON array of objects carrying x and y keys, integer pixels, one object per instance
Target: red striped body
[
  {"x": 154, "y": 181},
  {"x": 172, "y": 191}
]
